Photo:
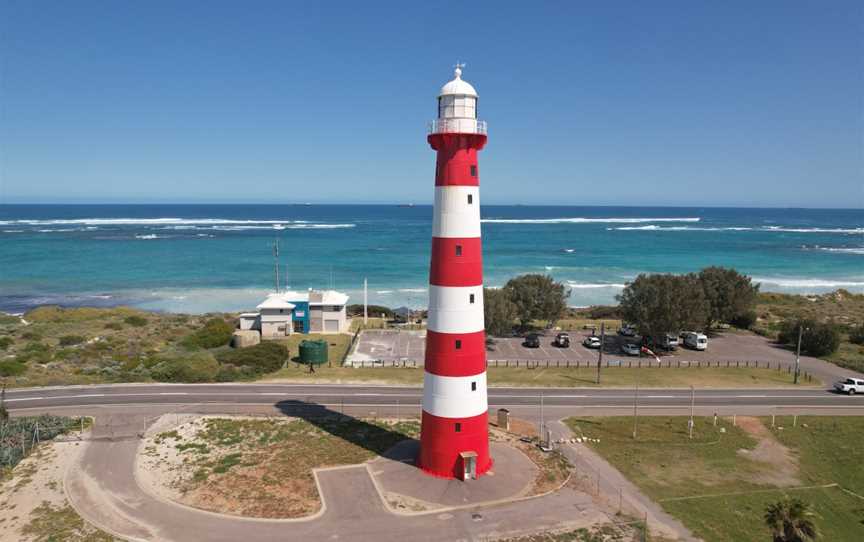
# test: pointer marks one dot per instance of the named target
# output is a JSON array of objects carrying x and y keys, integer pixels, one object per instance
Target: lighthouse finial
[{"x": 458, "y": 69}]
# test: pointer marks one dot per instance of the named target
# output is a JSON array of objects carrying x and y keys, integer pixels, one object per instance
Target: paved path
[{"x": 103, "y": 489}]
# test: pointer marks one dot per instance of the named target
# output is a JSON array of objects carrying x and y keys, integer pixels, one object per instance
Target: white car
[
  {"x": 850, "y": 386},
  {"x": 630, "y": 349},
  {"x": 627, "y": 331},
  {"x": 591, "y": 342}
]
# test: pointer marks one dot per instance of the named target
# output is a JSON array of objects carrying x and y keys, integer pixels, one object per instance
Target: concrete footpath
[{"x": 103, "y": 489}]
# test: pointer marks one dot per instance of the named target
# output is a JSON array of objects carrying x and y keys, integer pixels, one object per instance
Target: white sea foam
[
  {"x": 654, "y": 227},
  {"x": 859, "y": 250},
  {"x": 814, "y": 230},
  {"x": 412, "y": 290},
  {"x": 591, "y": 286},
  {"x": 178, "y": 223},
  {"x": 802, "y": 283},
  {"x": 149, "y": 236},
  {"x": 384, "y": 292},
  {"x": 569, "y": 250},
  {"x": 580, "y": 220}
]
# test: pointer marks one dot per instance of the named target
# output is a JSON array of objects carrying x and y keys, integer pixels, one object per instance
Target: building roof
[
  {"x": 457, "y": 86},
  {"x": 276, "y": 301},
  {"x": 328, "y": 297}
]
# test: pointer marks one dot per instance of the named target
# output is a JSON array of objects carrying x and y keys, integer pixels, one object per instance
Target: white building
[{"x": 285, "y": 313}]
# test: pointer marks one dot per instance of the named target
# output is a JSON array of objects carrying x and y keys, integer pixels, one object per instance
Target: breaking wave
[
  {"x": 580, "y": 220},
  {"x": 809, "y": 283},
  {"x": 590, "y": 285}
]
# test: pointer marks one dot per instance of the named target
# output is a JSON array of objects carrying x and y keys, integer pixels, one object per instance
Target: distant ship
[{"x": 406, "y": 205}]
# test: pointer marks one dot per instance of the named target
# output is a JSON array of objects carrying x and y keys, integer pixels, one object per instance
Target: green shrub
[
  {"x": 35, "y": 351},
  {"x": 371, "y": 310},
  {"x": 11, "y": 368},
  {"x": 135, "y": 320},
  {"x": 69, "y": 340},
  {"x": 6, "y": 342},
  {"x": 817, "y": 339},
  {"x": 215, "y": 333},
  {"x": 744, "y": 320},
  {"x": 114, "y": 325},
  {"x": 856, "y": 335},
  {"x": 262, "y": 358},
  {"x": 31, "y": 336},
  {"x": 191, "y": 367},
  {"x": 6, "y": 319}
]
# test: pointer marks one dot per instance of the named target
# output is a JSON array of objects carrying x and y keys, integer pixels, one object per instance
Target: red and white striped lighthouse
[{"x": 454, "y": 439}]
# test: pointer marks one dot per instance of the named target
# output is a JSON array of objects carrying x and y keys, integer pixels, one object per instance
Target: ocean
[{"x": 200, "y": 258}]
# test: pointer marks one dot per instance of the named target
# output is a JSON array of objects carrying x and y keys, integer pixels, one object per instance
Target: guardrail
[{"x": 457, "y": 126}]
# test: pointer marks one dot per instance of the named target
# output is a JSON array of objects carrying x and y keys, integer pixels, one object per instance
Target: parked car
[
  {"x": 850, "y": 386},
  {"x": 630, "y": 349},
  {"x": 591, "y": 342},
  {"x": 562, "y": 340},
  {"x": 695, "y": 340},
  {"x": 627, "y": 331},
  {"x": 532, "y": 341}
]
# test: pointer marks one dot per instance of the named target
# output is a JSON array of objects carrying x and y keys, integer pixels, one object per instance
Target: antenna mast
[{"x": 276, "y": 262}]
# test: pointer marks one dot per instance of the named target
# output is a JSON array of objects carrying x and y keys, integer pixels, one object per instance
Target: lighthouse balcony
[{"x": 457, "y": 126}]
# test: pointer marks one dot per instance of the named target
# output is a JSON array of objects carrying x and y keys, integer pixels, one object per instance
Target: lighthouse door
[{"x": 469, "y": 465}]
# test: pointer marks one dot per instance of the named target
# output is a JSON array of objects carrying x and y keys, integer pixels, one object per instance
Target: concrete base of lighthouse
[{"x": 406, "y": 487}]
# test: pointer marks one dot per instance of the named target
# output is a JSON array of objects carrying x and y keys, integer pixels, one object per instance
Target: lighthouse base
[{"x": 449, "y": 447}]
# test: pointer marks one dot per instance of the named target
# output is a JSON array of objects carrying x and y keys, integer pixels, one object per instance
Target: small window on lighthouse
[
  {"x": 458, "y": 344},
  {"x": 471, "y": 298},
  {"x": 470, "y": 199},
  {"x": 473, "y": 171},
  {"x": 473, "y": 386},
  {"x": 458, "y": 250},
  {"x": 458, "y": 427}
]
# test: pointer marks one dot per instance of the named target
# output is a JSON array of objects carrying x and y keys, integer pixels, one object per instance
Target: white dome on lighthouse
[{"x": 458, "y": 87}]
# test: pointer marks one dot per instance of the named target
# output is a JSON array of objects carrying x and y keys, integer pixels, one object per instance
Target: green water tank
[{"x": 313, "y": 352}]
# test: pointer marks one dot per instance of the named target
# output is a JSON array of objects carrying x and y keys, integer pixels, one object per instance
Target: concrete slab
[{"x": 396, "y": 475}]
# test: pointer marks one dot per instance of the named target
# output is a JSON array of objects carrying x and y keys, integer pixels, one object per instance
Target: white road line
[{"x": 25, "y": 399}]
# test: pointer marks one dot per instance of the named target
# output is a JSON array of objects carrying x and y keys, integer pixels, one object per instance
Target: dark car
[
  {"x": 532, "y": 341},
  {"x": 562, "y": 340}
]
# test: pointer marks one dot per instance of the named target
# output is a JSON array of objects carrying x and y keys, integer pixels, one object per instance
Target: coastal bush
[
  {"x": 70, "y": 340},
  {"x": 190, "y": 367},
  {"x": 499, "y": 313},
  {"x": 856, "y": 335},
  {"x": 262, "y": 358},
  {"x": 663, "y": 303},
  {"x": 372, "y": 310},
  {"x": 604, "y": 312},
  {"x": 745, "y": 320},
  {"x": 11, "y": 367},
  {"x": 31, "y": 336},
  {"x": 729, "y": 294},
  {"x": 537, "y": 297},
  {"x": 817, "y": 338},
  {"x": 36, "y": 351},
  {"x": 135, "y": 320},
  {"x": 116, "y": 326},
  {"x": 215, "y": 333},
  {"x": 6, "y": 342},
  {"x": 8, "y": 319}
]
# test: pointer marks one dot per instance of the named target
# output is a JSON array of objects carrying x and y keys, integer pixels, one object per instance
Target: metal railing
[{"x": 457, "y": 126}]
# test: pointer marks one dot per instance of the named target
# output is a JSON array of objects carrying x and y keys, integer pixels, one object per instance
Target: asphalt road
[{"x": 331, "y": 396}]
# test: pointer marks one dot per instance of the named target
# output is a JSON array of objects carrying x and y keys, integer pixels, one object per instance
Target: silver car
[{"x": 630, "y": 349}]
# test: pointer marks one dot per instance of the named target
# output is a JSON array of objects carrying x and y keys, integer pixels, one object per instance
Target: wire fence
[{"x": 19, "y": 436}]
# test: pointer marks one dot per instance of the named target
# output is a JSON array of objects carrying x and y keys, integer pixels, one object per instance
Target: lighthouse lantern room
[{"x": 454, "y": 440}]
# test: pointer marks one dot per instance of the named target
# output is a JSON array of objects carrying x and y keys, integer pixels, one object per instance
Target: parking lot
[{"x": 397, "y": 345}]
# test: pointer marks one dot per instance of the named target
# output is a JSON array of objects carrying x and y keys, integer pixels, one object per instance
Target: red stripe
[
  {"x": 457, "y": 153},
  {"x": 444, "y": 359},
  {"x": 448, "y": 269},
  {"x": 440, "y": 444}
]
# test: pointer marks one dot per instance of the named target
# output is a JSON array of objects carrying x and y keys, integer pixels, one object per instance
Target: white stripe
[
  {"x": 451, "y": 310},
  {"x": 452, "y": 397},
  {"x": 453, "y": 216}
]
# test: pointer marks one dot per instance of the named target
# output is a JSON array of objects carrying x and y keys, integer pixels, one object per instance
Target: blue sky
[{"x": 607, "y": 103}]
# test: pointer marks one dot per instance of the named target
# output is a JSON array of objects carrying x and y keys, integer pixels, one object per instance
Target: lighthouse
[{"x": 454, "y": 438}]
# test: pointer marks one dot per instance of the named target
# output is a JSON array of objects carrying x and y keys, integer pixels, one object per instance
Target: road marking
[
  {"x": 752, "y": 396},
  {"x": 661, "y": 396},
  {"x": 173, "y": 393},
  {"x": 25, "y": 399}
]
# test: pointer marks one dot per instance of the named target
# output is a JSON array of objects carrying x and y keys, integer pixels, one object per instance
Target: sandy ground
[
  {"x": 36, "y": 480},
  {"x": 784, "y": 464}
]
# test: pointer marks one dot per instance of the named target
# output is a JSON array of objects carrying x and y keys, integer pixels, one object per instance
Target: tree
[
  {"x": 730, "y": 294},
  {"x": 536, "y": 297},
  {"x": 791, "y": 520},
  {"x": 817, "y": 338},
  {"x": 499, "y": 312},
  {"x": 658, "y": 304}
]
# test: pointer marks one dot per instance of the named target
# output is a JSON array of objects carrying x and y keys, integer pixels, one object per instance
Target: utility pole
[
  {"x": 635, "y": 409},
  {"x": 365, "y": 301},
  {"x": 600, "y": 353},
  {"x": 798, "y": 353},
  {"x": 276, "y": 262},
  {"x": 542, "y": 420},
  {"x": 692, "y": 406}
]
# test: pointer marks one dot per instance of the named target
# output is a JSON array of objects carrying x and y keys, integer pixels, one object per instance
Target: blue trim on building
[{"x": 301, "y": 312}]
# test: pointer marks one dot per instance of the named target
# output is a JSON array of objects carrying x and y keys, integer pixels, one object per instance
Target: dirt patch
[
  {"x": 255, "y": 467},
  {"x": 783, "y": 463},
  {"x": 554, "y": 467},
  {"x": 33, "y": 504}
]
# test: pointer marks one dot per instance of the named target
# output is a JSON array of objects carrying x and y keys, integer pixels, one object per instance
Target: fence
[
  {"x": 576, "y": 364},
  {"x": 19, "y": 436}
]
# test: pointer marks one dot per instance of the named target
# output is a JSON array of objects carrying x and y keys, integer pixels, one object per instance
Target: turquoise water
[{"x": 198, "y": 258}]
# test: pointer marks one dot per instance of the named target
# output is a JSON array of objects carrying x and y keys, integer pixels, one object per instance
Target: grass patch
[
  {"x": 558, "y": 377},
  {"x": 716, "y": 491},
  {"x": 50, "y": 523}
]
